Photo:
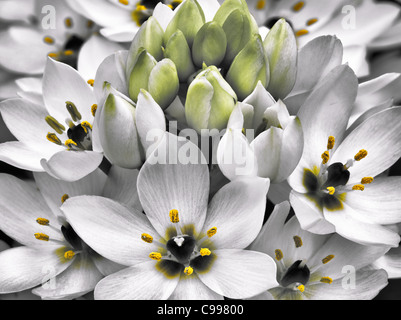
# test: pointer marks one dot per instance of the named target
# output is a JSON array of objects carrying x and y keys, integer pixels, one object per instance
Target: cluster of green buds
[{"x": 209, "y": 65}]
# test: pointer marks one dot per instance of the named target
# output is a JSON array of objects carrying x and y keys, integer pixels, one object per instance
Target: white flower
[
  {"x": 316, "y": 267},
  {"x": 183, "y": 248}
]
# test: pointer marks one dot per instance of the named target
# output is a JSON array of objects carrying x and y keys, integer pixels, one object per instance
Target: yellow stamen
[
  {"x": 174, "y": 218},
  {"x": 330, "y": 143},
  {"x": 93, "y": 109},
  {"x": 301, "y": 32},
  {"x": 331, "y": 190},
  {"x": 328, "y": 259},
  {"x": 360, "y": 155},
  {"x": 124, "y": 2},
  {"x": 70, "y": 142},
  {"x": 137, "y": 15},
  {"x": 48, "y": 40},
  {"x": 360, "y": 187},
  {"x": 53, "y": 54},
  {"x": 69, "y": 254},
  {"x": 326, "y": 280},
  {"x": 298, "y": 6},
  {"x": 205, "y": 252},
  {"x": 279, "y": 254},
  {"x": 91, "y": 82},
  {"x": 188, "y": 271},
  {"x": 55, "y": 124},
  {"x": 43, "y": 221},
  {"x": 211, "y": 232},
  {"x": 53, "y": 138},
  {"x": 298, "y": 241},
  {"x": 367, "y": 180},
  {"x": 147, "y": 237},
  {"x": 155, "y": 256},
  {"x": 170, "y": 6},
  {"x": 261, "y": 4},
  {"x": 73, "y": 111},
  {"x": 86, "y": 125},
  {"x": 301, "y": 288},
  {"x": 68, "y": 52},
  {"x": 64, "y": 198},
  {"x": 325, "y": 157},
  {"x": 311, "y": 21},
  {"x": 68, "y": 22},
  {"x": 89, "y": 24},
  {"x": 41, "y": 236}
]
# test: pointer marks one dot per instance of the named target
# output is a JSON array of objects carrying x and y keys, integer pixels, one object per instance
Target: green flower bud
[
  {"x": 163, "y": 83},
  {"x": 140, "y": 73},
  {"x": 177, "y": 50},
  {"x": 150, "y": 37},
  {"x": 249, "y": 67},
  {"x": 210, "y": 101},
  {"x": 117, "y": 133},
  {"x": 189, "y": 18},
  {"x": 209, "y": 45}
]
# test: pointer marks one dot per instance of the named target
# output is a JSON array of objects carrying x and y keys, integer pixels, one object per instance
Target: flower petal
[
  {"x": 21, "y": 156},
  {"x": 191, "y": 288}
]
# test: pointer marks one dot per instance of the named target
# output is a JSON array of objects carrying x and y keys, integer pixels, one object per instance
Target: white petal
[
  {"x": 391, "y": 262},
  {"x": 191, "y": 288},
  {"x": 124, "y": 32},
  {"x": 21, "y": 156},
  {"x": 163, "y": 14}
]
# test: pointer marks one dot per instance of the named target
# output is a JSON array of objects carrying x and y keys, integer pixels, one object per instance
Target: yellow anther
[
  {"x": 360, "y": 187},
  {"x": 188, "y": 271},
  {"x": 138, "y": 15},
  {"x": 326, "y": 280},
  {"x": 174, "y": 218},
  {"x": 55, "y": 124},
  {"x": 68, "y": 52},
  {"x": 124, "y": 2},
  {"x": 70, "y": 142},
  {"x": 261, "y": 4},
  {"x": 86, "y": 125},
  {"x": 301, "y": 288},
  {"x": 69, "y": 254},
  {"x": 298, "y": 6},
  {"x": 147, "y": 237},
  {"x": 68, "y": 22},
  {"x": 53, "y": 138},
  {"x": 311, "y": 21},
  {"x": 279, "y": 254},
  {"x": 301, "y": 32},
  {"x": 328, "y": 259},
  {"x": 140, "y": 7},
  {"x": 331, "y": 142},
  {"x": 205, "y": 252},
  {"x": 91, "y": 82},
  {"x": 170, "y": 6},
  {"x": 93, "y": 109},
  {"x": 41, "y": 236},
  {"x": 331, "y": 190},
  {"x": 360, "y": 155},
  {"x": 73, "y": 111},
  {"x": 325, "y": 157},
  {"x": 64, "y": 198},
  {"x": 155, "y": 256},
  {"x": 48, "y": 40},
  {"x": 89, "y": 24},
  {"x": 298, "y": 241},
  {"x": 211, "y": 232},
  {"x": 43, "y": 221},
  {"x": 367, "y": 180},
  {"x": 53, "y": 55}
]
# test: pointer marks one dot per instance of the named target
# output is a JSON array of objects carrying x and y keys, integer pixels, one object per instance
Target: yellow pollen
[
  {"x": 298, "y": 6},
  {"x": 124, "y": 2},
  {"x": 64, "y": 198},
  {"x": 367, "y": 180},
  {"x": 311, "y": 21},
  {"x": 140, "y": 7},
  {"x": 53, "y": 54},
  {"x": 147, "y": 237},
  {"x": 43, "y": 221},
  {"x": 86, "y": 125},
  {"x": 53, "y": 138},
  {"x": 68, "y": 52},
  {"x": 73, "y": 111},
  {"x": 298, "y": 241},
  {"x": 55, "y": 124},
  {"x": 170, "y": 6},
  {"x": 301, "y": 32},
  {"x": 330, "y": 143},
  {"x": 41, "y": 236},
  {"x": 68, "y": 22},
  {"x": 205, "y": 252},
  {"x": 328, "y": 259},
  {"x": 360, "y": 187},
  {"x": 301, "y": 288},
  {"x": 279, "y": 254},
  {"x": 325, "y": 157},
  {"x": 174, "y": 218},
  {"x": 331, "y": 190},
  {"x": 70, "y": 142},
  {"x": 137, "y": 15},
  {"x": 360, "y": 155},
  {"x": 211, "y": 232},
  {"x": 188, "y": 271},
  {"x": 261, "y": 4},
  {"x": 326, "y": 280},
  {"x": 155, "y": 256},
  {"x": 48, "y": 40},
  {"x": 89, "y": 24},
  {"x": 91, "y": 82},
  {"x": 69, "y": 254},
  {"x": 93, "y": 109}
]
